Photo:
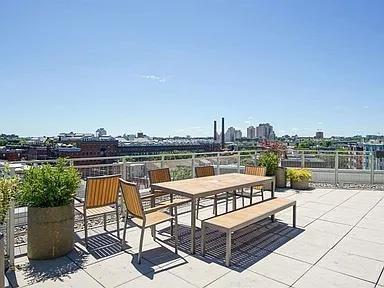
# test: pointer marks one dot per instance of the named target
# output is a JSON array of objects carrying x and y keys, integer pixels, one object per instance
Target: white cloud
[{"x": 155, "y": 78}]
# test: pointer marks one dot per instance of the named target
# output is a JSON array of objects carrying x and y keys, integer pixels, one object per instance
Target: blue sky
[{"x": 172, "y": 67}]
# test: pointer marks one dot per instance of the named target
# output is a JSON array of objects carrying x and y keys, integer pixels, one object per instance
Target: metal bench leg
[
  {"x": 176, "y": 233},
  {"x": 228, "y": 249},
  {"x": 215, "y": 205},
  {"x": 251, "y": 196},
  {"x": 202, "y": 238},
  {"x": 294, "y": 216},
  {"x": 242, "y": 196}
]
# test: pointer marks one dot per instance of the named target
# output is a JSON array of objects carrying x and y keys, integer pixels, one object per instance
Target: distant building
[
  {"x": 377, "y": 149},
  {"x": 101, "y": 132},
  {"x": 230, "y": 134},
  {"x": 319, "y": 135},
  {"x": 140, "y": 135},
  {"x": 265, "y": 131},
  {"x": 251, "y": 132},
  {"x": 233, "y": 134},
  {"x": 238, "y": 134}
]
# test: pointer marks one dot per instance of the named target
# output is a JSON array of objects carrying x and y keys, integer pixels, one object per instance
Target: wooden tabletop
[{"x": 206, "y": 186}]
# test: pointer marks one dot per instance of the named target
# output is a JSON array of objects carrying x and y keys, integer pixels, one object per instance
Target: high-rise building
[
  {"x": 238, "y": 134},
  {"x": 265, "y": 131},
  {"x": 319, "y": 135},
  {"x": 232, "y": 134},
  {"x": 251, "y": 132}
]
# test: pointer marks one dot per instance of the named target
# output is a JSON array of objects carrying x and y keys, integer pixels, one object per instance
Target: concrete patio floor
[{"x": 339, "y": 242}]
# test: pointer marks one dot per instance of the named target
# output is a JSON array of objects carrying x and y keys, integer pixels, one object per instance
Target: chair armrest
[
  {"x": 156, "y": 208},
  {"x": 78, "y": 199}
]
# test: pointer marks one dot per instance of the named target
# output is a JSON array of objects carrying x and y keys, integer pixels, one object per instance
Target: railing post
[
  {"x": 337, "y": 168},
  {"x": 302, "y": 159},
  {"x": 162, "y": 161},
  {"x": 372, "y": 162},
  {"x": 238, "y": 161},
  {"x": 193, "y": 165},
  {"x": 11, "y": 229},
  {"x": 218, "y": 163}
]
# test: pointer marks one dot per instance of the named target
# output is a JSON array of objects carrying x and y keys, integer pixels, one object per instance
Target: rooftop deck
[{"x": 338, "y": 243}]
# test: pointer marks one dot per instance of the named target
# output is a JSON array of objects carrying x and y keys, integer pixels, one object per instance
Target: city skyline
[{"x": 301, "y": 66}]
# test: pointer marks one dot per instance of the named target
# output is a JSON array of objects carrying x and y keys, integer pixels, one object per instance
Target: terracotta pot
[{"x": 50, "y": 231}]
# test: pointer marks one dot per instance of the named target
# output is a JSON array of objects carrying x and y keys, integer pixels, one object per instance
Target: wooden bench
[{"x": 241, "y": 218}]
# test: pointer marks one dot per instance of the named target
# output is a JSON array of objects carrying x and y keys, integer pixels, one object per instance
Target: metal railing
[{"x": 336, "y": 168}]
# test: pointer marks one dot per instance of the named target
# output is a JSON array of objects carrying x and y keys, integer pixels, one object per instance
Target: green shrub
[
  {"x": 49, "y": 186},
  {"x": 297, "y": 175},
  {"x": 270, "y": 161},
  {"x": 8, "y": 188}
]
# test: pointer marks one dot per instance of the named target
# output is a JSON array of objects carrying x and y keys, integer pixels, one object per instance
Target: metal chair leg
[
  {"x": 141, "y": 244},
  {"x": 85, "y": 230},
  {"x": 251, "y": 196},
  {"x": 125, "y": 231},
  {"x": 242, "y": 196},
  {"x": 118, "y": 222},
  {"x": 262, "y": 194},
  {"x": 105, "y": 221}
]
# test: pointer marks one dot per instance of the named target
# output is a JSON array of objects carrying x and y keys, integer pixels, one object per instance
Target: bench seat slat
[{"x": 238, "y": 219}]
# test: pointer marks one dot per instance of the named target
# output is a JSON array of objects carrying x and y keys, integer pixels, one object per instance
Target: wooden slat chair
[
  {"x": 101, "y": 193},
  {"x": 159, "y": 176},
  {"x": 256, "y": 171},
  {"x": 144, "y": 218},
  {"x": 205, "y": 171}
]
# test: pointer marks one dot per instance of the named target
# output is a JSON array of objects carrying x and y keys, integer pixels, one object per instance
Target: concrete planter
[
  {"x": 300, "y": 185},
  {"x": 50, "y": 231},
  {"x": 281, "y": 181}
]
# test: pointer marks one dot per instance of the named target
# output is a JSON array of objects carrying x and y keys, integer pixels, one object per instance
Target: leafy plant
[
  {"x": 49, "y": 186},
  {"x": 181, "y": 172},
  {"x": 8, "y": 187},
  {"x": 297, "y": 175},
  {"x": 269, "y": 160}
]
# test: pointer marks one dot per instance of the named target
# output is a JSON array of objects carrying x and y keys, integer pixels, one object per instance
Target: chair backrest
[
  {"x": 255, "y": 170},
  {"x": 132, "y": 200},
  {"x": 101, "y": 191},
  {"x": 204, "y": 171},
  {"x": 159, "y": 175}
]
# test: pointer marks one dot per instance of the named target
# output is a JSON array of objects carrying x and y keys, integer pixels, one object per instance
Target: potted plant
[
  {"x": 8, "y": 188},
  {"x": 299, "y": 178},
  {"x": 48, "y": 192},
  {"x": 280, "y": 150},
  {"x": 270, "y": 161}
]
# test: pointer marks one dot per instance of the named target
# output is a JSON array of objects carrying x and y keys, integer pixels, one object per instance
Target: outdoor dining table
[{"x": 207, "y": 186}]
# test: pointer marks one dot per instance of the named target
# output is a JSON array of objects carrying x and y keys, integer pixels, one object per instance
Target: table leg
[
  {"x": 234, "y": 200},
  {"x": 193, "y": 225},
  {"x": 272, "y": 196}
]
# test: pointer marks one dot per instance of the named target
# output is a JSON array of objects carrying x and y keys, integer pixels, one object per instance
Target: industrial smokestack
[
  {"x": 222, "y": 133},
  {"x": 214, "y": 131}
]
